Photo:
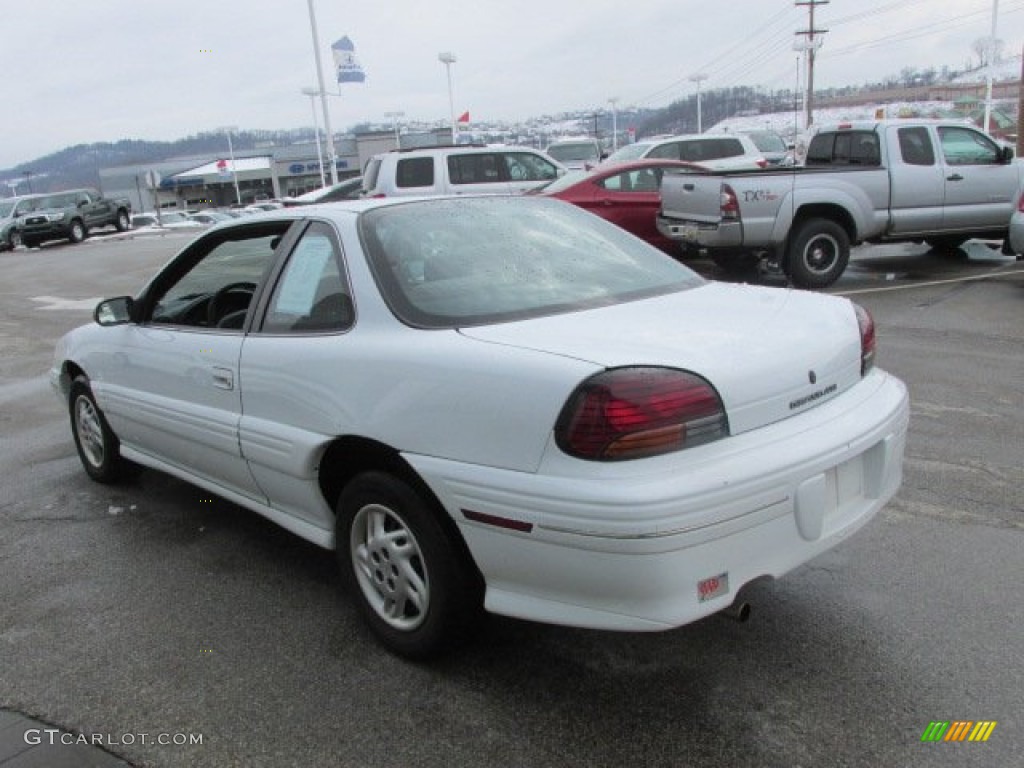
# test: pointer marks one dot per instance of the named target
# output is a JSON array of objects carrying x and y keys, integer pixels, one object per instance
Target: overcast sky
[{"x": 103, "y": 70}]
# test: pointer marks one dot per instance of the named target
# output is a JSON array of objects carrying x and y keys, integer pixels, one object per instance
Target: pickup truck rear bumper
[{"x": 721, "y": 234}]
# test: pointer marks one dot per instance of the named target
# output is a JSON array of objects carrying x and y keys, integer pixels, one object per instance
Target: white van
[{"x": 457, "y": 170}]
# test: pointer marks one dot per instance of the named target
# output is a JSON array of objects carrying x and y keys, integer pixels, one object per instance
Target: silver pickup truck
[{"x": 940, "y": 182}]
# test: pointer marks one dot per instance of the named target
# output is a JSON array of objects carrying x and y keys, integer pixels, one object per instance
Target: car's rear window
[{"x": 449, "y": 263}]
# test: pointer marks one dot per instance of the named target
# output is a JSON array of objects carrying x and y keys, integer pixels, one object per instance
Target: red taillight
[
  {"x": 629, "y": 413},
  {"x": 730, "y": 204},
  {"x": 762, "y": 163},
  {"x": 867, "y": 338},
  {"x": 1020, "y": 203},
  {"x": 376, "y": 196}
]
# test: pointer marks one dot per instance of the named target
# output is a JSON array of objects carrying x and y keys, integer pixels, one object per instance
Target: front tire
[
  {"x": 818, "y": 253},
  {"x": 98, "y": 447},
  {"x": 14, "y": 239},
  {"x": 409, "y": 578},
  {"x": 123, "y": 223},
  {"x": 77, "y": 232}
]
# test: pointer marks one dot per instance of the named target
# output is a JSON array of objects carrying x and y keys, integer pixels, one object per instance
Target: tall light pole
[
  {"x": 313, "y": 93},
  {"x": 323, "y": 95},
  {"x": 229, "y": 129},
  {"x": 394, "y": 124},
  {"x": 615, "y": 123},
  {"x": 698, "y": 79},
  {"x": 448, "y": 58}
]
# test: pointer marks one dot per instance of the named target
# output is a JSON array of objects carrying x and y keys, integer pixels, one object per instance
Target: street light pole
[
  {"x": 231, "y": 153},
  {"x": 698, "y": 78},
  {"x": 615, "y": 123},
  {"x": 448, "y": 58},
  {"x": 991, "y": 62},
  {"x": 394, "y": 124},
  {"x": 313, "y": 93},
  {"x": 323, "y": 95}
]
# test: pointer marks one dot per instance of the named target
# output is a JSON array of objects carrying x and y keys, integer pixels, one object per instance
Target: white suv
[
  {"x": 717, "y": 152},
  {"x": 457, "y": 170}
]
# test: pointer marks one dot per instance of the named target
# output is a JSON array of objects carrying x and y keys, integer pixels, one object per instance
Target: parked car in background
[
  {"x": 497, "y": 402},
  {"x": 11, "y": 209},
  {"x": 72, "y": 215},
  {"x": 576, "y": 154},
  {"x": 626, "y": 194},
  {"x": 209, "y": 218},
  {"x": 772, "y": 146},
  {"x": 718, "y": 152},
  {"x": 167, "y": 220},
  {"x": 458, "y": 170},
  {"x": 348, "y": 189},
  {"x": 904, "y": 180}
]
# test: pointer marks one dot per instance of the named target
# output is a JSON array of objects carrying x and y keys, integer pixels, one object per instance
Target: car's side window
[
  {"x": 415, "y": 172},
  {"x": 477, "y": 168},
  {"x": 916, "y": 146},
  {"x": 217, "y": 289},
  {"x": 641, "y": 180},
  {"x": 311, "y": 294},
  {"x": 525, "y": 166},
  {"x": 962, "y": 146},
  {"x": 670, "y": 151}
]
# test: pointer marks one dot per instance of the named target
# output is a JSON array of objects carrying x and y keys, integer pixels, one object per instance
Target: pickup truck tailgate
[{"x": 691, "y": 197}]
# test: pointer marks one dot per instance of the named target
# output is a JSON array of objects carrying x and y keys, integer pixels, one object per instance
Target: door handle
[
  {"x": 955, "y": 177},
  {"x": 223, "y": 378}
]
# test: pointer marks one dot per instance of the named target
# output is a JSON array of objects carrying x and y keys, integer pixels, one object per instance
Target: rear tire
[
  {"x": 123, "y": 223},
  {"x": 77, "y": 232},
  {"x": 14, "y": 239},
  {"x": 410, "y": 580},
  {"x": 98, "y": 447},
  {"x": 818, "y": 253}
]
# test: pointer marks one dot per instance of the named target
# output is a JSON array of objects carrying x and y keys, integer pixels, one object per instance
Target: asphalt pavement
[{"x": 166, "y": 627}]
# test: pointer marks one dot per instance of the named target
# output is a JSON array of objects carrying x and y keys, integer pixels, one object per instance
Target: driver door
[{"x": 177, "y": 396}]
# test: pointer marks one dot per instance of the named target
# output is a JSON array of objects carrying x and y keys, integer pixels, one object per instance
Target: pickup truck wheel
[
  {"x": 947, "y": 244},
  {"x": 818, "y": 253},
  {"x": 123, "y": 223},
  {"x": 77, "y": 232},
  {"x": 14, "y": 239}
]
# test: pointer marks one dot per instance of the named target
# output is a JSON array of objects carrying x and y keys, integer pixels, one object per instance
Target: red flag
[{"x": 464, "y": 117}]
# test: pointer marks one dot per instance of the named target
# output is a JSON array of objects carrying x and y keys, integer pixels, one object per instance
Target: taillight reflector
[
  {"x": 629, "y": 413},
  {"x": 867, "y": 338},
  {"x": 730, "y": 204}
]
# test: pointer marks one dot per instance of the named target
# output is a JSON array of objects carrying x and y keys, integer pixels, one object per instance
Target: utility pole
[
  {"x": 698, "y": 79},
  {"x": 812, "y": 45}
]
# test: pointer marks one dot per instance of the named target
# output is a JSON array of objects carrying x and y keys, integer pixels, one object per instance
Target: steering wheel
[{"x": 217, "y": 300}]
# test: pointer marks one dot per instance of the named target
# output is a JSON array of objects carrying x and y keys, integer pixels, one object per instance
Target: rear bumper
[
  {"x": 628, "y": 546},
  {"x": 725, "y": 234}
]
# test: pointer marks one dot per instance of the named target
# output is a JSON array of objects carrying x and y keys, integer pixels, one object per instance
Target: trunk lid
[{"x": 770, "y": 353}]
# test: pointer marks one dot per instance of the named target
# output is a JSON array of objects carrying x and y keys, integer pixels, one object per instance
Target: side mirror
[
  {"x": 1006, "y": 156},
  {"x": 114, "y": 311}
]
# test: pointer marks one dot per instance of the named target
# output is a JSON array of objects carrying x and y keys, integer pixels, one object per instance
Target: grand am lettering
[{"x": 801, "y": 401}]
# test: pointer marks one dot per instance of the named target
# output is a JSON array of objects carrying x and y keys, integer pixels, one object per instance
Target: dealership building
[{"x": 216, "y": 181}]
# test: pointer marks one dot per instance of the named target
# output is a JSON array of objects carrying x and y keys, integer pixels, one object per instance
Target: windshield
[
  {"x": 450, "y": 263},
  {"x": 581, "y": 150}
]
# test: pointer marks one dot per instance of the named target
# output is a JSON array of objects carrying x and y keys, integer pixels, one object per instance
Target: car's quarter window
[
  {"x": 451, "y": 263},
  {"x": 962, "y": 146},
  {"x": 311, "y": 295},
  {"x": 212, "y": 284},
  {"x": 916, "y": 146},
  {"x": 526, "y": 166},
  {"x": 415, "y": 172}
]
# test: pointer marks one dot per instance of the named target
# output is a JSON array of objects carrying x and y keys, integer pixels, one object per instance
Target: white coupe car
[{"x": 494, "y": 402}]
